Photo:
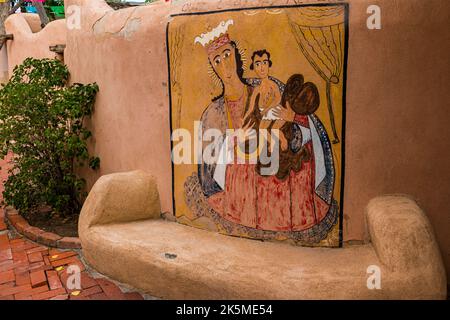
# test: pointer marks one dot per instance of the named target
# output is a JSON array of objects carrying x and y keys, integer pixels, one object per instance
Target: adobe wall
[
  {"x": 30, "y": 40},
  {"x": 397, "y": 112}
]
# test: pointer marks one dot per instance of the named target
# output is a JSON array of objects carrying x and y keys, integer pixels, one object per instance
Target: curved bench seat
[{"x": 123, "y": 237}]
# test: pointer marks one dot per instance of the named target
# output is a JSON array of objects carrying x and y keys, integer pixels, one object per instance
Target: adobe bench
[{"x": 124, "y": 236}]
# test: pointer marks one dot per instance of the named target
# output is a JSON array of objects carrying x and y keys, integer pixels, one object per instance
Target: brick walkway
[{"x": 31, "y": 271}]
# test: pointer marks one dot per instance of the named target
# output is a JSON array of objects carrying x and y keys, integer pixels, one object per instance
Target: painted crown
[{"x": 215, "y": 38}]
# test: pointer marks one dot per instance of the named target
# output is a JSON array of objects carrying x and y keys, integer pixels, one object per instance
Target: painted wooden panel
[{"x": 257, "y": 119}]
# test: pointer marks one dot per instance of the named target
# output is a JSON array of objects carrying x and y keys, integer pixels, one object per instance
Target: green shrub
[{"x": 41, "y": 123}]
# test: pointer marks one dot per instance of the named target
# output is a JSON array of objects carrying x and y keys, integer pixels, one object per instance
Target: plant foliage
[{"x": 41, "y": 123}]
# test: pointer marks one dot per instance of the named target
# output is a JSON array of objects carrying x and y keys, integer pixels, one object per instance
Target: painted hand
[
  {"x": 248, "y": 134},
  {"x": 248, "y": 123},
  {"x": 286, "y": 114},
  {"x": 245, "y": 134}
]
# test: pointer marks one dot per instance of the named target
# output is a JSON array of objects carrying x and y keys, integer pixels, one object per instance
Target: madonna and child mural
[{"x": 257, "y": 119}]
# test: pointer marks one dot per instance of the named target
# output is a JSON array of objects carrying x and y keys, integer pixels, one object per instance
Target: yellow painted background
[{"x": 193, "y": 87}]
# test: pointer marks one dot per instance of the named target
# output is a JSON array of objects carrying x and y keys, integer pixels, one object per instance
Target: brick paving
[{"x": 29, "y": 271}]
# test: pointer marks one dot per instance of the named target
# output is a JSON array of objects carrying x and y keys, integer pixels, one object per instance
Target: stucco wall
[
  {"x": 397, "y": 132},
  {"x": 29, "y": 40}
]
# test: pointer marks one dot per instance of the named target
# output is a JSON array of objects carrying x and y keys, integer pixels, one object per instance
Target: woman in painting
[{"x": 300, "y": 202}]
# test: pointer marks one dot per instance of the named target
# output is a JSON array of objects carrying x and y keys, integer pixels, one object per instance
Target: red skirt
[{"x": 267, "y": 203}]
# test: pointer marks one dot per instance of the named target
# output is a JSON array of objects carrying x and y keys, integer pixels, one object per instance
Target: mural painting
[{"x": 277, "y": 74}]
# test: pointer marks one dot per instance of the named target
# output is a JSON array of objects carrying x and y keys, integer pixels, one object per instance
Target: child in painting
[{"x": 269, "y": 94}]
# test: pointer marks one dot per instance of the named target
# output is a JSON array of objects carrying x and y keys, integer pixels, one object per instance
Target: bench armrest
[{"x": 121, "y": 197}]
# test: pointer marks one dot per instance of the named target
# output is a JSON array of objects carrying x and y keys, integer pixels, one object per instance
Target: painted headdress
[{"x": 215, "y": 38}]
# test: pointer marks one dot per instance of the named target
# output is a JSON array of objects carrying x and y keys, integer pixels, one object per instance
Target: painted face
[
  {"x": 223, "y": 61},
  {"x": 261, "y": 65}
]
